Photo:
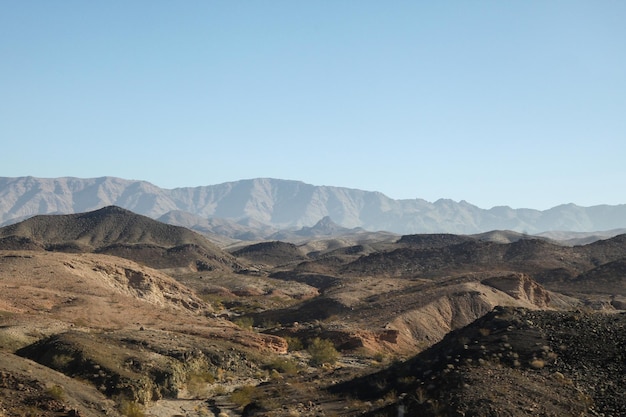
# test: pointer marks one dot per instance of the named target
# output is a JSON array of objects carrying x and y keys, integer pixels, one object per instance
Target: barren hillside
[
  {"x": 116, "y": 231},
  {"x": 111, "y": 323},
  {"x": 155, "y": 317}
]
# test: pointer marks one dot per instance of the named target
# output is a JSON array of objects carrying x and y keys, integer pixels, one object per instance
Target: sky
[{"x": 516, "y": 103}]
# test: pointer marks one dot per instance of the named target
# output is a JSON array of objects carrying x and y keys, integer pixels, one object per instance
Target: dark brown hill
[
  {"x": 272, "y": 253},
  {"x": 431, "y": 241},
  {"x": 116, "y": 231},
  {"x": 19, "y": 243},
  {"x": 439, "y": 255},
  {"x": 505, "y": 236},
  {"x": 580, "y": 260},
  {"x": 536, "y": 257},
  {"x": 603, "y": 251},
  {"x": 101, "y": 228},
  {"x": 609, "y": 278},
  {"x": 511, "y": 362},
  {"x": 429, "y": 285}
]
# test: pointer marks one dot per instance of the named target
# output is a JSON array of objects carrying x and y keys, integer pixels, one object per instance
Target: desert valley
[{"x": 274, "y": 298}]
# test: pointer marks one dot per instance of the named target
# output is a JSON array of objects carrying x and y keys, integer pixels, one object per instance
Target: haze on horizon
[{"x": 516, "y": 103}]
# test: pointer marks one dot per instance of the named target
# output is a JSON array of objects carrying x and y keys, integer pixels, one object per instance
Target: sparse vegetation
[
  {"x": 243, "y": 395},
  {"x": 131, "y": 409},
  {"x": 322, "y": 352},
  {"x": 198, "y": 383},
  {"x": 216, "y": 301},
  {"x": 294, "y": 344},
  {"x": 56, "y": 392},
  {"x": 269, "y": 324},
  {"x": 284, "y": 366},
  {"x": 244, "y": 322}
]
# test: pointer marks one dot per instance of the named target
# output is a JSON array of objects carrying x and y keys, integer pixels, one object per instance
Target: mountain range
[{"x": 257, "y": 208}]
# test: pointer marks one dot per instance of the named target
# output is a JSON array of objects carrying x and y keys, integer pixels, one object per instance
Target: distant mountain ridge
[{"x": 286, "y": 204}]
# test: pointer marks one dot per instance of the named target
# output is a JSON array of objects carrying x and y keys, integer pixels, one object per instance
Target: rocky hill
[
  {"x": 400, "y": 296},
  {"x": 110, "y": 332},
  {"x": 291, "y": 204},
  {"x": 536, "y": 363},
  {"x": 116, "y": 231}
]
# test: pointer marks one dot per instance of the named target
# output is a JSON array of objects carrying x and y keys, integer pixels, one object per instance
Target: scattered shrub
[
  {"x": 284, "y": 366},
  {"x": 219, "y": 390},
  {"x": 269, "y": 324},
  {"x": 270, "y": 403},
  {"x": 244, "y": 322},
  {"x": 197, "y": 383},
  {"x": 243, "y": 396},
  {"x": 322, "y": 351},
  {"x": 131, "y": 409},
  {"x": 380, "y": 357},
  {"x": 56, "y": 392},
  {"x": 294, "y": 344}
]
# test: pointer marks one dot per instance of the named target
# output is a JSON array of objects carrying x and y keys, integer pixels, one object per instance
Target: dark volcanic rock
[
  {"x": 512, "y": 362},
  {"x": 435, "y": 240},
  {"x": 271, "y": 253}
]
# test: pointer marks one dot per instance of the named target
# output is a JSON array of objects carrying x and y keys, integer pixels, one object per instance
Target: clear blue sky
[{"x": 519, "y": 103}]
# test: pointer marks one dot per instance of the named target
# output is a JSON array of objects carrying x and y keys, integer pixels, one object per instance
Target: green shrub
[
  {"x": 244, "y": 395},
  {"x": 56, "y": 392},
  {"x": 284, "y": 366},
  {"x": 322, "y": 351},
  {"x": 131, "y": 409},
  {"x": 294, "y": 344},
  {"x": 269, "y": 324},
  {"x": 244, "y": 322},
  {"x": 380, "y": 357},
  {"x": 198, "y": 383}
]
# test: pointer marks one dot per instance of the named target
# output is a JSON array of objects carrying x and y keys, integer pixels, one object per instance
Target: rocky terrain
[
  {"x": 111, "y": 312},
  {"x": 512, "y": 361},
  {"x": 119, "y": 232},
  {"x": 127, "y": 332}
]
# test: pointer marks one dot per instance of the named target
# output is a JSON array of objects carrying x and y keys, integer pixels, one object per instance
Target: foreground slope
[
  {"x": 134, "y": 333},
  {"x": 59, "y": 291},
  {"x": 512, "y": 362},
  {"x": 29, "y": 388}
]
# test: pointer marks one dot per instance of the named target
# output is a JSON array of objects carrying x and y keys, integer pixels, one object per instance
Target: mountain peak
[
  {"x": 324, "y": 227},
  {"x": 325, "y": 223}
]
